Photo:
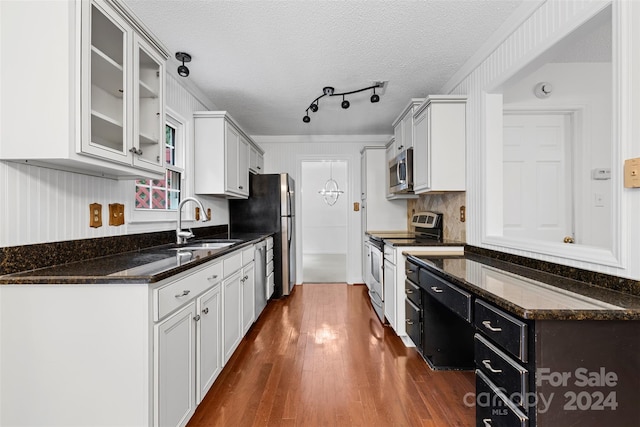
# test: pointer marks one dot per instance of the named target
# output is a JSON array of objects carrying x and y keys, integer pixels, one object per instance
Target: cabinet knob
[
  {"x": 240, "y": 187},
  {"x": 246, "y": 277},
  {"x": 568, "y": 239},
  {"x": 401, "y": 147},
  {"x": 206, "y": 310},
  {"x": 197, "y": 317},
  {"x": 183, "y": 294}
]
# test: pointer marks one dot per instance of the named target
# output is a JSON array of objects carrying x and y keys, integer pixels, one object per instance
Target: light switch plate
[{"x": 116, "y": 214}]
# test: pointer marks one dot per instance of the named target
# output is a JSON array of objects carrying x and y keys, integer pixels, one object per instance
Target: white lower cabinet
[
  {"x": 152, "y": 350},
  {"x": 209, "y": 360},
  {"x": 390, "y": 293},
  {"x": 248, "y": 296},
  {"x": 175, "y": 368},
  {"x": 232, "y": 296}
]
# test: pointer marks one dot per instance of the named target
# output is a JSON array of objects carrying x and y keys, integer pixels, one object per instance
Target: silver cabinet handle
[
  {"x": 408, "y": 271},
  {"x": 183, "y": 294},
  {"x": 206, "y": 310},
  {"x": 408, "y": 291},
  {"x": 409, "y": 322},
  {"x": 437, "y": 289},
  {"x": 487, "y": 324},
  {"x": 487, "y": 364},
  {"x": 197, "y": 317},
  {"x": 486, "y": 422},
  {"x": 215, "y": 276}
]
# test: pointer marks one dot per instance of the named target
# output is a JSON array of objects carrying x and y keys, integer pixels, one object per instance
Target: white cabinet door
[
  {"x": 232, "y": 309},
  {"x": 232, "y": 143},
  {"x": 390, "y": 293},
  {"x": 420, "y": 150},
  {"x": 248, "y": 297},
  {"x": 243, "y": 167},
  {"x": 148, "y": 107},
  {"x": 209, "y": 340},
  {"x": 407, "y": 132},
  {"x": 439, "y": 144},
  {"x": 174, "y": 382}
]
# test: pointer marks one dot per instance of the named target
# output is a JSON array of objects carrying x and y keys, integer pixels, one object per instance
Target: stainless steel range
[{"x": 427, "y": 226}]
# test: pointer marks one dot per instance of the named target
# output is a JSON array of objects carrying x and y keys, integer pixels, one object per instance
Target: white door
[{"x": 537, "y": 145}]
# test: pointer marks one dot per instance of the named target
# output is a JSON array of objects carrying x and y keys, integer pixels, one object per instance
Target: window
[{"x": 164, "y": 194}]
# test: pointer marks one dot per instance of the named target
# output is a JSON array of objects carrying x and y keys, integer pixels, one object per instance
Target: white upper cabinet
[
  {"x": 222, "y": 155},
  {"x": 95, "y": 89},
  {"x": 403, "y": 127},
  {"x": 439, "y": 135},
  {"x": 256, "y": 159}
]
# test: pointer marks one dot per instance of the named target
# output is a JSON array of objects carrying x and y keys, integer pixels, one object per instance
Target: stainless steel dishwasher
[{"x": 260, "y": 277}]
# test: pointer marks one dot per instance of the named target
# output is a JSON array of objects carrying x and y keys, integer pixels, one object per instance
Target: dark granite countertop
[
  {"x": 142, "y": 266},
  {"x": 530, "y": 293}
]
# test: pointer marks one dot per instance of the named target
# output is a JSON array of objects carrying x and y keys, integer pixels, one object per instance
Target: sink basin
[{"x": 204, "y": 245}]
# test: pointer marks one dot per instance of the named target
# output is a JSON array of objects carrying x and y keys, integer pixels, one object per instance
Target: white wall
[
  {"x": 286, "y": 153},
  {"x": 538, "y": 32},
  {"x": 40, "y": 205}
]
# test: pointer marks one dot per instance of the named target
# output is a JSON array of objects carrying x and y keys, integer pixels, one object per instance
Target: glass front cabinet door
[{"x": 122, "y": 91}]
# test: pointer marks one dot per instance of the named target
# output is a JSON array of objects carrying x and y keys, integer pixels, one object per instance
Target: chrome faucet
[{"x": 182, "y": 236}]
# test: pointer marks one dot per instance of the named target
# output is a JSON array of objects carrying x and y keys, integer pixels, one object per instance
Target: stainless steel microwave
[{"x": 401, "y": 172}]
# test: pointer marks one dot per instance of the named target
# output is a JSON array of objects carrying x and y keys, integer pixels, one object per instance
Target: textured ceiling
[{"x": 265, "y": 61}]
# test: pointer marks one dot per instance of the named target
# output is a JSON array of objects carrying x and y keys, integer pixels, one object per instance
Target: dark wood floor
[{"x": 321, "y": 358}]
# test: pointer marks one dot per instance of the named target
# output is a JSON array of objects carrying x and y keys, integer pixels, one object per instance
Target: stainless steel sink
[{"x": 208, "y": 244}]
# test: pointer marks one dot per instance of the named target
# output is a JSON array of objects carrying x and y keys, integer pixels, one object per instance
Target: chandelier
[{"x": 330, "y": 192}]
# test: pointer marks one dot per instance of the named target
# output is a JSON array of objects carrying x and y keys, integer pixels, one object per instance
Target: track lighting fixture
[
  {"x": 329, "y": 91},
  {"x": 183, "y": 71}
]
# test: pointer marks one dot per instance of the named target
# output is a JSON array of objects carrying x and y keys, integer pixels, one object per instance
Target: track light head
[
  {"x": 314, "y": 107},
  {"x": 345, "y": 103},
  {"x": 183, "y": 57},
  {"x": 374, "y": 98},
  {"x": 306, "y": 118}
]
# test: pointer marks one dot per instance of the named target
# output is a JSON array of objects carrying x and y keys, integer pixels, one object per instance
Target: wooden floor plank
[{"x": 321, "y": 357}]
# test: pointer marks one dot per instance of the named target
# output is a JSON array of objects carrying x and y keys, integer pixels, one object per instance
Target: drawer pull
[
  {"x": 487, "y": 364},
  {"x": 437, "y": 289},
  {"x": 409, "y": 322},
  {"x": 215, "y": 276},
  {"x": 206, "y": 310},
  {"x": 408, "y": 291},
  {"x": 409, "y": 271},
  {"x": 487, "y": 324},
  {"x": 197, "y": 317},
  {"x": 183, "y": 294},
  {"x": 486, "y": 422}
]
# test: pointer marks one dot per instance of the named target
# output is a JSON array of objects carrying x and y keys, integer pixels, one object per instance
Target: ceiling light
[
  {"x": 374, "y": 98},
  {"x": 183, "y": 71},
  {"x": 345, "y": 103},
  {"x": 329, "y": 91}
]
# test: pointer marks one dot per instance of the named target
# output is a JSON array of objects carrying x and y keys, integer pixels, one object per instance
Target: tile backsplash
[{"x": 449, "y": 205}]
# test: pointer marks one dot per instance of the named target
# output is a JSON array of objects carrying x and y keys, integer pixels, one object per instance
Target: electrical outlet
[
  {"x": 95, "y": 215},
  {"x": 208, "y": 214},
  {"x": 463, "y": 213},
  {"x": 197, "y": 213}
]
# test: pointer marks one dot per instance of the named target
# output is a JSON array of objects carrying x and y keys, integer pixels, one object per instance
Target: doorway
[
  {"x": 538, "y": 171},
  {"x": 324, "y": 220}
]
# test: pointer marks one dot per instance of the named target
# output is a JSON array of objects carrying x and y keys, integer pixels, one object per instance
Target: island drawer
[
  {"x": 413, "y": 293},
  {"x": 503, "y": 329},
  {"x": 495, "y": 409},
  {"x": 450, "y": 295},
  {"x": 502, "y": 370}
]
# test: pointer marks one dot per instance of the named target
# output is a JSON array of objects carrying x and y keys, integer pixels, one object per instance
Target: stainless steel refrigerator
[{"x": 270, "y": 208}]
